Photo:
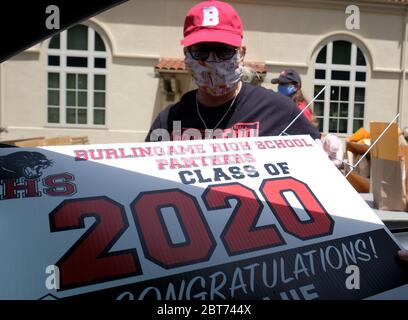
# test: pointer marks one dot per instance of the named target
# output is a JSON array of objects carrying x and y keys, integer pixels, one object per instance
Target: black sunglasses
[{"x": 202, "y": 53}]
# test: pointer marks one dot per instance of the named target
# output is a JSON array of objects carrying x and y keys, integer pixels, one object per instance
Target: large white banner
[{"x": 258, "y": 218}]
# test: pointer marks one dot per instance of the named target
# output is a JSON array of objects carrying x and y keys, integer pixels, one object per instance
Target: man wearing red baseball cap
[{"x": 223, "y": 106}]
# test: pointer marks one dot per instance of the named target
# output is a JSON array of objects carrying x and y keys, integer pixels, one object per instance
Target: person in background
[{"x": 290, "y": 85}]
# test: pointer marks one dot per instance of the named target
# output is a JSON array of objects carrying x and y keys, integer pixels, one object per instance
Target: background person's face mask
[
  {"x": 287, "y": 89},
  {"x": 217, "y": 77}
]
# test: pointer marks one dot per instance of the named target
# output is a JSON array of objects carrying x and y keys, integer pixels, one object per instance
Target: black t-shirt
[{"x": 256, "y": 112}]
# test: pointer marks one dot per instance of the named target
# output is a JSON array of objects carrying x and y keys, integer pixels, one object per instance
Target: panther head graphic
[{"x": 23, "y": 164}]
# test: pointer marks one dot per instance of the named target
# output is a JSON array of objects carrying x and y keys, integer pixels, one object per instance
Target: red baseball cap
[{"x": 213, "y": 21}]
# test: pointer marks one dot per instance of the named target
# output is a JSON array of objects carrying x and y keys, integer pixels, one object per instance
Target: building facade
[{"x": 108, "y": 77}]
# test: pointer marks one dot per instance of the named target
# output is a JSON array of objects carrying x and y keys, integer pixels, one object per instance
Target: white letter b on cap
[{"x": 211, "y": 16}]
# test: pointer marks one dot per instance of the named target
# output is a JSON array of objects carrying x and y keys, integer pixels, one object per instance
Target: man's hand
[
  {"x": 332, "y": 145},
  {"x": 403, "y": 255}
]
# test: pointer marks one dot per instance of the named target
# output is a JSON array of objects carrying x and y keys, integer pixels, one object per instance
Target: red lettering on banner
[
  {"x": 230, "y": 146},
  {"x": 123, "y": 154},
  {"x": 320, "y": 223},
  {"x": 89, "y": 260},
  {"x": 99, "y": 155},
  {"x": 59, "y": 185},
  {"x": 81, "y": 155},
  {"x": 282, "y": 144},
  {"x": 111, "y": 154},
  {"x": 158, "y": 248},
  {"x": 307, "y": 144},
  {"x": 240, "y": 233},
  {"x": 12, "y": 187},
  {"x": 216, "y": 160}
]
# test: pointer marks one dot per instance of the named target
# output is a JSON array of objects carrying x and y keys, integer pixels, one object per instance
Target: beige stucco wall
[
  {"x": 132, "y": 92},
  {"x": 24, "y": 88},
  {"x": 137, "y": 33}
]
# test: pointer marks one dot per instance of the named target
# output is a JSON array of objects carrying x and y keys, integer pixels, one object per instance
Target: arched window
[
  {"x": 342, "y": 67},
  {"x": 76, "y": 78}
]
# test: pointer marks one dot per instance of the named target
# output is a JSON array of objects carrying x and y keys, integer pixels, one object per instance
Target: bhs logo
[{"x": 23, "y": 164}]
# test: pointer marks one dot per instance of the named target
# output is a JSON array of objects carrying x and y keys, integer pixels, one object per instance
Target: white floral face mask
[{"x": 216, "y": 76}]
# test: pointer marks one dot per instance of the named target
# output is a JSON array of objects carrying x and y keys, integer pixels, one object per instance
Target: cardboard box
[
  {"x": 360, "y": 177},
  {"x": 388, "y": 168}
]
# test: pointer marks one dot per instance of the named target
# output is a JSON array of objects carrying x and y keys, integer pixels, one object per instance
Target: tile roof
[
  {"x": 173, "y": 64},
  {"x": 170, "y": 64}
]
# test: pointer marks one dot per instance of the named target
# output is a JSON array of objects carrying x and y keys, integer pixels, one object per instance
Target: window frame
[
  {"x": 352, "y": 84},
  {"x": 90, "y": 71}
]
